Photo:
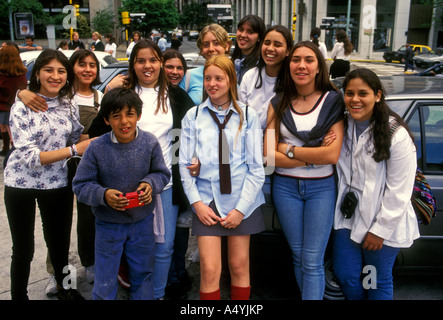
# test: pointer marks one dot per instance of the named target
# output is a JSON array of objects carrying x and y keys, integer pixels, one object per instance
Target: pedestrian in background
[
  {"x": 223, "y": 207},
  {"x": 136, "y": 36},
  {"x": 250, "y": 33},
  {"x": 76, "y": 43},
  {"x": 408, "y": 59},
  {"x": 162, "y": 43},
  {"x": 35, "y": 171},
  {"x": 341, "y": 54},
  {"x": 12, "y": 78},
  {"x": 97, "y": 45},
  {"x": 315, "y": 38},
  {"x": 29, "y": 45},
  {"x": 63, "y": 45},
  {"x": 175, "y": 42},
  {"x": 378, "y": 167},
  {"x": 111, "y": 46},
  {"x": 296, "y": 142}
]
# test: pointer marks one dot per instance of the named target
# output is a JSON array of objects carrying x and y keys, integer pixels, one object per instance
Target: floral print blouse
[{"x": 34, "y": 132}]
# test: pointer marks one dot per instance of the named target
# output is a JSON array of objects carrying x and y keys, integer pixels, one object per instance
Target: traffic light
[
  {"x": 125, "y": 17},
  {"x": 294, "y": 19},
  {"x": 77, "y": 9}
]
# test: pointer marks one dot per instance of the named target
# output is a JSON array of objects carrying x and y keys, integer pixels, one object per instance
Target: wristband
[
  {"x": 70, "y": 151},
  {"x": 74, "y": 150}
]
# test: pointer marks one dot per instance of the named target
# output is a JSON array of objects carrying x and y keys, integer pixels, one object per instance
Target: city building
[{"x": 372, "y": 25}]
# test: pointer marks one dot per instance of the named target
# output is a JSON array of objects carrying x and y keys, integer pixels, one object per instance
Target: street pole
[
  {"x": 11, "y": 28},
  {"x": 348, "y": 18},
  {"x": 294, "y": 21}
]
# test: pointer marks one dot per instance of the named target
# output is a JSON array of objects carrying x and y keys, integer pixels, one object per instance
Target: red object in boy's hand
[{"x": 133, "y": 199}]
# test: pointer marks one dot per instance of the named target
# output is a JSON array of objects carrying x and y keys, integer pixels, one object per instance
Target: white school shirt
[
  {"x": 257, "y": 98},
  {"x": 111, "y": 46},
  {"x": 338, "y": 52},
  {"x": 159, "y": 124},
  {"x": 246, "y": 159},
  {"x": 383, "y": 188},
  {"x": 304, "y": 122}
]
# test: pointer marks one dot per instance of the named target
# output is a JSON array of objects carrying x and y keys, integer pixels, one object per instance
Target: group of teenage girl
[{"x": 268, "y": 112}]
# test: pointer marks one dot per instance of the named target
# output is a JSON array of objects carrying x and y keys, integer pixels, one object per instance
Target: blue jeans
[
  {"x": 138, "y": 243},
  {"x": 349, "y": 260},
  {"x": 163, "y": 251},
  {"x": 305, "y": 209}
]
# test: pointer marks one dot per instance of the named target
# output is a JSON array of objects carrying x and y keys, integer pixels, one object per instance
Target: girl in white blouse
[{"x": 379, "y": 169}]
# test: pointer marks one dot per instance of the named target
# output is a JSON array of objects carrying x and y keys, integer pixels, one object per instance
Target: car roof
[{"x": 404, "y": 87}]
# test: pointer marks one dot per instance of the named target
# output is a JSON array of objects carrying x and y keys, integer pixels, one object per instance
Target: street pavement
[{"x": 408, "y": 288}]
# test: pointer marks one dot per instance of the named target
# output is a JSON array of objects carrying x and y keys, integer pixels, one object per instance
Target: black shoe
[{"x": 69, "y": 294}]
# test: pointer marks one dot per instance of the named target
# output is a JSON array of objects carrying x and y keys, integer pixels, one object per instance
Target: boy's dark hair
[{"x": 117, "y": 99}]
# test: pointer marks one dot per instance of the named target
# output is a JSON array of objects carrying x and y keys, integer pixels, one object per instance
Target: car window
[
  {"x": 402, "y": 48},
  {"x": 399, "y": 106},
  {"x": 30, "y": 66},
  {"x": 427, "y": 126},
  {"x": 110, "y": 59}
]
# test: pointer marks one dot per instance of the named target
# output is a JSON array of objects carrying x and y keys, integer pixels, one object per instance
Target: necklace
[
  {"x": 219, "y": 107},
  {"x": 310, "y": 94}
]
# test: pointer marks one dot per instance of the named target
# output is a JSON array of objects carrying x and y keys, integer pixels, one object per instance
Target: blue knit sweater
[{"x": 121, "y": 166}]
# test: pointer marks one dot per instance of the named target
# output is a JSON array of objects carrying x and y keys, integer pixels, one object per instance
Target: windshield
[{"x": 110, "y": 60}]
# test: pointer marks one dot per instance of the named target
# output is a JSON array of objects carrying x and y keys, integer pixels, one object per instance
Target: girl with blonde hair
[
  {"x": 212, "y": 41},
  {"x": 226, "y": 192}
]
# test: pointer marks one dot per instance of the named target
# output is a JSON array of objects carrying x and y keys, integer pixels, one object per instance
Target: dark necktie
[{"x": 223, "y": 154}]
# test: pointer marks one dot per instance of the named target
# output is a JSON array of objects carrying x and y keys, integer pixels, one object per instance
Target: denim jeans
[
  {"x": 138, "y": 243},
  {"x": 163, "y": 251},
  {"x": 305, "y": 209},
  {"x": 349, "y": 260}
]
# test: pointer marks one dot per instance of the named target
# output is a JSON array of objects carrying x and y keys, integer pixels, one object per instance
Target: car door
[{"x": 426, "y": 123}]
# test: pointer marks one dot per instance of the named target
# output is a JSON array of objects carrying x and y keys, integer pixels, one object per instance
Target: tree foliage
[
  {"x": 103, "y": 21},
  {"x": 195, "y": 15},
  {"x": 33, "y": 6},
  {"x": 160, "y": 14}
]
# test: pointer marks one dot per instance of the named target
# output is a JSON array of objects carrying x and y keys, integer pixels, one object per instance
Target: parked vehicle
[
  {"x": 193, "y": 35},
  {"x": 419, "y": 100},
  {"x": 399, "y": 55},
  {"x": 434, "y": 71},
  {"x": 428, "y": 60}
]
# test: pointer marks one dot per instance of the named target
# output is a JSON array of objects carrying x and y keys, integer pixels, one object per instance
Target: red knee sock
[
  {"x": 210, "y": 295},
  {"x": 240, "y": 293}
]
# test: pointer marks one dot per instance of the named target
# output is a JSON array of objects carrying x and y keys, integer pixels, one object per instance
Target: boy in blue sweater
[{"x": 124, "y": 160}]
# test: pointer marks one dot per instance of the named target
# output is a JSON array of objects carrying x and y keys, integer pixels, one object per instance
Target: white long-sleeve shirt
[
  {"x": 257, "y": 98},
  {"x": 338, "y": 52},
  {"x": 383, "y": 188},
  {"x": 246, "y": 159}
]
